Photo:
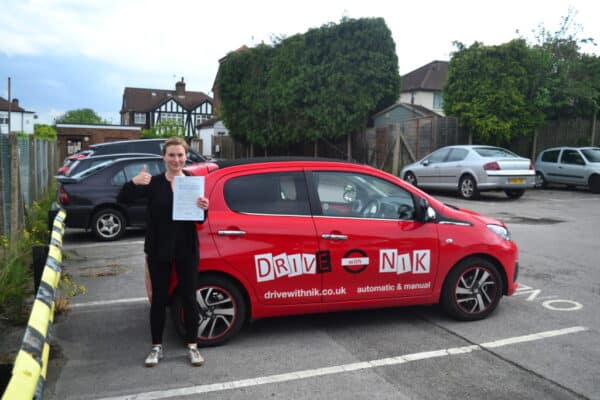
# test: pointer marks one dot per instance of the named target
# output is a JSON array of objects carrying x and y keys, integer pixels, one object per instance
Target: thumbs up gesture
[{"x": 142, "y": 178}]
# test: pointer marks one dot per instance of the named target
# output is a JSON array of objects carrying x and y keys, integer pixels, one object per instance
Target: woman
[{"x": 168, "y": 243}]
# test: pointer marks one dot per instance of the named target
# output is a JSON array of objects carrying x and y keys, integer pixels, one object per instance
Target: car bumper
[{"x": 507, "y": 182}]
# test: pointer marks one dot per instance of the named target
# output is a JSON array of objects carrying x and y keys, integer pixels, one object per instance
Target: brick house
[{"x": 75, "y": 137}]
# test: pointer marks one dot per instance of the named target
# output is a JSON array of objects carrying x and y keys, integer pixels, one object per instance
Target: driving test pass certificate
[{"x": 186, "y": 191}]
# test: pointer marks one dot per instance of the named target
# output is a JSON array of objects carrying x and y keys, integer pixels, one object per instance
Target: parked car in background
[
  {"x": 90, "y": 199},
  {"x": 83, "y": 164},
  {"x": 571, "y": 166},
  {"x": 71, "y": 159},
  {"x": 471, "y": 169},
  {"x": 304, "y": 236},
  {"x": 151, "y": 146}
]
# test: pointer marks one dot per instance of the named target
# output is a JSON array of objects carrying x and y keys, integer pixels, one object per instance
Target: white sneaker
[
  {"x": 156, "y": 354},
  {"x": 195, "y": 357}
]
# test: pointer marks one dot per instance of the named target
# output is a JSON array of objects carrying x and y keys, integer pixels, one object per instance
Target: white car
[
  {"x": 572, "y": 166},
  {"x": 471, "y": 169}
]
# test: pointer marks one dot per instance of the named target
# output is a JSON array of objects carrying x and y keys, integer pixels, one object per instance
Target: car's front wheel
[
  {"x": 108, "y": 224},
  {"x": 410, "y": 178},
  {"x": 221, "y": 310},
  {"x": 472, "y": 289},
  {"x": 540, "y": 181},
  {"x": 468, "y": 188},
  {"x": 514, "y": 193}
]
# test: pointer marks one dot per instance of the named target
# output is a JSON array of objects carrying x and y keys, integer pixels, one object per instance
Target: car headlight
[{"x": 500, "y": 231}]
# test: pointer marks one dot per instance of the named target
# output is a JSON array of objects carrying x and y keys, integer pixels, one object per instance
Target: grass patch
[{"x": 16, "y": 280}]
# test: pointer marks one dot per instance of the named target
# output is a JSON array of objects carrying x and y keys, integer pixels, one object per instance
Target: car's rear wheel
[
  {"x": 594, "y": 184},
  {"x": 472, "y": 289},
  {"x": 410, "y": 178},
  {"x": 221, "y": 307},
  {"x": 467, "y": 188},
  {"x": 514, "y": 193},
  {"x": 540, "y": 181},
  {"x": 108, "y": 224}
]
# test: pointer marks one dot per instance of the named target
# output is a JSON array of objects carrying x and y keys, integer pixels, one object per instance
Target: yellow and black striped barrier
[{"x": 29, "y": 371}]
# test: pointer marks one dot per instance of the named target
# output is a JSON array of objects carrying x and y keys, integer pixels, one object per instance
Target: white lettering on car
[
  {"x": 269, "y": 267},
  {"x": 391, "y": 261}
]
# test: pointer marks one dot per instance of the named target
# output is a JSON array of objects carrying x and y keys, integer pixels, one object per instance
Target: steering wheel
[{"x": 372, "y": 208}]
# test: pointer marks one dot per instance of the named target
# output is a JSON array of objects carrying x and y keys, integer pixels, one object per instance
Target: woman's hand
[
  {"x": 202, "y": 202},
  {"x": 142, "y": 178}
]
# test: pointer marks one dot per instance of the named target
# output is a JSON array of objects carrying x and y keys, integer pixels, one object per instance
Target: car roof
[
  {"x": 283, "y": 159},
  {"x": 122, "y": 155},
  {"x": 125, "y": 141}
]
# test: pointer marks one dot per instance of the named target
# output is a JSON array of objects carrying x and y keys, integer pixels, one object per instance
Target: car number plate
[{"x": 514, "y": 181}]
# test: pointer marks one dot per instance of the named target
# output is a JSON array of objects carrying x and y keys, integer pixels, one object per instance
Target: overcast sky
[{"x": 67, "y": 54}]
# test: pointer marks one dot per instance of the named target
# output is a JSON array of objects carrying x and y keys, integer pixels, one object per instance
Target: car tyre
[
  {"x": 410, "y": 178},
  {"x": 222, "y": 310},
  {"x": 594, "y": 184},
  {"x": 467, "y": 188},
  {"x": 514, "y": 193},
  {"x": 108, "y": 224},
  {"x": 472, "y": 289},
  {"x": 540, "y": 181}
]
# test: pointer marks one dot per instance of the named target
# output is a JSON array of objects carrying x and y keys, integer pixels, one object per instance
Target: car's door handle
[
  {"x": 333, "y": 236},
  {"x": 231, "y": 233}
]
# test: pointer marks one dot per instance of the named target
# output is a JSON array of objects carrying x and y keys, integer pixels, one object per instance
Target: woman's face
[{"x": 175, "y": 156}]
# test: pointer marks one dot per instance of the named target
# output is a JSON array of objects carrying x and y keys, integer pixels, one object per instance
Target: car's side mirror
[
  {"x": 426, "y": 212},
  {"x": 425, "y": 162}
]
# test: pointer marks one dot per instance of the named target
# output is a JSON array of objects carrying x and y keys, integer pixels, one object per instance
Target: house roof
[
  {"x": 429, "y": 77},
  {"x": 14, "y": 108},
  {"x": 419, "y": 111},
  {"x": 144, "y": 100}
]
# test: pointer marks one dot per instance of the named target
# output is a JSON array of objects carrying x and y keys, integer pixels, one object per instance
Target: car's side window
[
  {"x": 438, "y": 156},
  {"x": 550, "y": 156},
  {"x": 282, "y": 193},
  {"x": 572, "y": 157},
  {"x": 346, "y": 194},
  {"x": 129, "y": 171},
  {"x": 457, "y": 155}
]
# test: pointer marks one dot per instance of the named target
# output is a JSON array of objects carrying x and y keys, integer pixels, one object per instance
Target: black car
[
  {"x": 90, "y": 199},
  {"x": 83, "y": 164},
  {"x": 151, "y": 146}
]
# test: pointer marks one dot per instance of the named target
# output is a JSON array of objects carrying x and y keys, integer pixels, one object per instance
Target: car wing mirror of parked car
[
  {"x": 426, "y": 212},
  {"x": 425, "y": 162}
]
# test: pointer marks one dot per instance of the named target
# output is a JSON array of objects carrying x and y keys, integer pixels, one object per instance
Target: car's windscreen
[
  {"x": 592, "y": 155},
  {"x": 494, "y": 152}
]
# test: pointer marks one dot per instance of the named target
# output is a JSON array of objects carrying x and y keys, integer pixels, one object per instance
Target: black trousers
[{"x": 160, "y": 274}]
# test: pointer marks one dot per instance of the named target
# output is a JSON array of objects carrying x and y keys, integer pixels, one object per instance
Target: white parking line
[
  {"x": 311, "y": 373},
  {"x": 110, "y": 302}
]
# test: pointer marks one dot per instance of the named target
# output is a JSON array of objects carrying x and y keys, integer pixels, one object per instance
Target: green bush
[{"x": 16, "y": 281}]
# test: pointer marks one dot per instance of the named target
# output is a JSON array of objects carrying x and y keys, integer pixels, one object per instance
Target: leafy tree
[
  {"x": 490, "y": 90},
  {"x": 45, "y": 132},
  {"x": 80, "y": 116},
  {"x": 164, "y": 129},
  {"x": 321, "y": 84}
]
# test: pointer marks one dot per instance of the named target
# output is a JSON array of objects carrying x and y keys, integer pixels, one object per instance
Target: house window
[
  {"x": 438, "y": 101},
  {"x": 3, "y": 121},
  {"x": 177, "y": 118},
  {"x": 201, "y": 118},
  {"x": 139, "y": 118}
]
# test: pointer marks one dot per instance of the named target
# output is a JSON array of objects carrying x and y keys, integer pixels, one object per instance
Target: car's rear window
[
  {"x": 550, "y": 156},
  {"x": 592, "y": 155},
  {"x": 494, "y": 152},
  {"x": 281, "y": 193}
]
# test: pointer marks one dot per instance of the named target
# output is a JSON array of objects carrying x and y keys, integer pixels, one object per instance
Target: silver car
[
  {"x": 471, "y": 170},
  {"x": 572, "y": 166}
]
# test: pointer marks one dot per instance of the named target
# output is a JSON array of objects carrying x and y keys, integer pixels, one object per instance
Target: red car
[{"x": 288, "y": 236}]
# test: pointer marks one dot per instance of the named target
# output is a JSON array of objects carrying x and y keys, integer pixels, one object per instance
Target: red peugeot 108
[{"x": 294, "y": 236}]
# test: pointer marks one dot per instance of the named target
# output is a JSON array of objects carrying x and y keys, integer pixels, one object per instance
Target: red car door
[
  {"x": 375, "y": 247},
  {"x": 263, "y": 228}
]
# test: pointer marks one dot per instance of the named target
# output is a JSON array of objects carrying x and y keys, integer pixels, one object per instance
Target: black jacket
[{"x": 165, "y": 238}]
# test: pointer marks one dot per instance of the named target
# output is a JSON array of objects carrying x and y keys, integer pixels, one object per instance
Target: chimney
[
  {"x": 180, "y": 88},
  {"x": 15, "y": 103}
]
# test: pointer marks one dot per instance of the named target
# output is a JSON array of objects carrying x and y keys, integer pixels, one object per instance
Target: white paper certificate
[{"x": 186, "y": 191}]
